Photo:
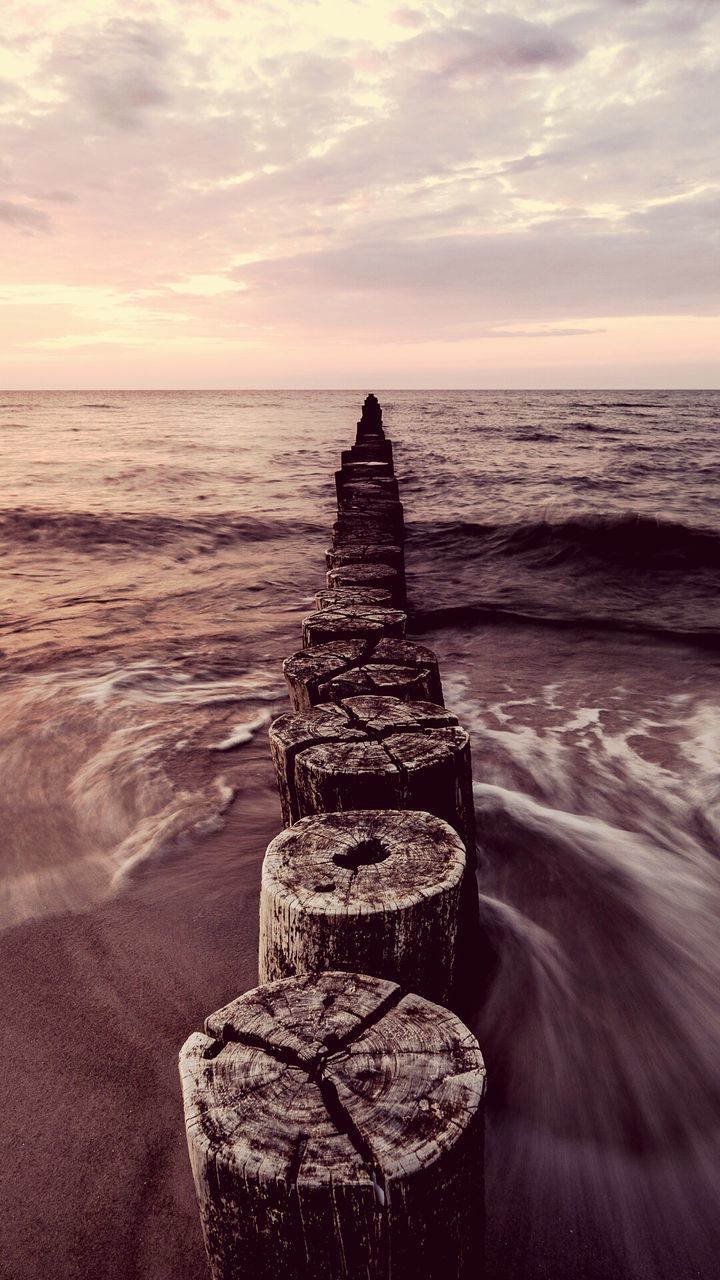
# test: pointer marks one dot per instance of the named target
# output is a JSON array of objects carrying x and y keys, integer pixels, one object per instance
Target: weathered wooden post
[
  {"x": 375, "y": 753},
  {"x": 348, "y": 552},
  {"x": 374, "y": 891},
  {"x": 335, "y": 1131},
  {"x": 366, "y": 623},
  {"x": 344, "y": 669},
  {"x": 376, "y": 450},
  {"x": 376, "y": 574},
  {"x": 347, "y": 597}
]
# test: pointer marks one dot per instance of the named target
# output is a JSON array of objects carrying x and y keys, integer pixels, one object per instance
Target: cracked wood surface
[
  {"x": 343, "y": 669},
  {"x": 347, "y": 597},
  {"x": 335, "y": 1132},
  {"x": 354, "y": 623},
  {"x": 375, "y": 753},
  {"x": 365, "y": 553},
  {"x": 373, "y": 891},
  {"x": 377, "y": 574}
]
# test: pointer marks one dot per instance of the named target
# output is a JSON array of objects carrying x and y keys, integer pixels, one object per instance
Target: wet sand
[{"x": 94, "y": 1175}]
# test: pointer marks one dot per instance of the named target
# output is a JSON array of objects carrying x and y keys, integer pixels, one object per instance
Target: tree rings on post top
[
  {"x": 353, "y": 624},
  {"x": 335, "y": 1131},
  {"x": 373, "y": 891}
]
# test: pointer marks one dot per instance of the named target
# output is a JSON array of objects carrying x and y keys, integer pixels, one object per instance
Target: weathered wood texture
[
  {"x": 343, "y": 669},
  {"x": 366, "y": 501},
  {"x": 384, "y": 488},
  {"x": 375, "y": 753},
  {"x": 376, "y": 574},
  {"x": 369, "y": 451},
  {"x": 374, "y": 891},
  {"x": 335, "y": 1131},
  {"x": 364, "y": 526},
  {"x": 354, "y": 623},
  {"x": 353, "y": 471},
  {"x": 353, "y": 533},
  {"x": 365, "y": 553},
  {"x": 347, "y": 597},
  {"x": 377, "y": 474}
]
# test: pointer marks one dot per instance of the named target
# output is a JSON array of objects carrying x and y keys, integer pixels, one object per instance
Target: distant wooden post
[
  {"x": 368, "y": 575},
  {"x": 354, "y": 623},
  {"x": 335, "y": 1131},
  {"x": 374, "y": 891},
  {"x": 365, "y": 553},
  {"x": 377, "y": 450},
  {"x": 349, "y": 597},
  {"x": 344, "y": 669}
]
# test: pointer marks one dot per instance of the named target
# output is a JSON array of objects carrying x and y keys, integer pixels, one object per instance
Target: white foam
[{"x": 242, "y": 733}]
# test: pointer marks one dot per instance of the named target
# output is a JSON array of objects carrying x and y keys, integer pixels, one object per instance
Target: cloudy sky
[{"x": 236, "y": 193}]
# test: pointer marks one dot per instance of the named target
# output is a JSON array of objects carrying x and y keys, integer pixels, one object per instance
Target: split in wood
[
  {"x": 343, "y": 669},
  {"x": 374, "y": 891},
  {"x": 335, "y": 1132}
]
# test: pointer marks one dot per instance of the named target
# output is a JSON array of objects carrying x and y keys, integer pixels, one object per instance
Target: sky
[{"x": 332, "y": 193}]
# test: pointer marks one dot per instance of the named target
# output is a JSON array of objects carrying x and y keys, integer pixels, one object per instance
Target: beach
[{"x": 563, "y": 559}]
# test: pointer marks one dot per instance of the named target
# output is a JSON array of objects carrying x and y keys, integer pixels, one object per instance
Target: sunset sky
[{"x": 328, "y": 193}]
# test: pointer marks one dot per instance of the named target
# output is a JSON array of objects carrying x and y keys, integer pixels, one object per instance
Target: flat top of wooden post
[
  {"x": 358, "y": 861},
  {"x": 331, "y": 1077}
]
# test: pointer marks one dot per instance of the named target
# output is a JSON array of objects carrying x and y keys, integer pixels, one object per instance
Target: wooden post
[
  {"x": 376, "y": 574},
  {"x": 370, "y": 451},
  {"x": 376, "y": 474},
  {"x": 366, "y": 526},
  {"x": 366, "y": 553},
  {"x": 331, "y": 672},
  {"x": 375, "y": 753},
  {"x": 375, "y": 891},
  {"x": 369, "y": 470},
  {"x": 347, "y": 597},
  {"x": 335, "y": 1131},
  {"x": 383, "y": 488},
  {"x": 354, "y": 623}
]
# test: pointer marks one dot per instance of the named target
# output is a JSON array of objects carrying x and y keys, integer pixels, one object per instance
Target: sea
[{"x": 159, "y": 552}]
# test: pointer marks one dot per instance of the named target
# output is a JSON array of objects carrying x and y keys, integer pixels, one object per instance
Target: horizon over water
[{"x": 563, "y": 559}]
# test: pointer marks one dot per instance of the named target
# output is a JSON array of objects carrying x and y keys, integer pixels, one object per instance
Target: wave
[
  {"x": 88, "y": 531},
  {"x": 488, "y": 613},
  {"x": 631, "y": 540}
]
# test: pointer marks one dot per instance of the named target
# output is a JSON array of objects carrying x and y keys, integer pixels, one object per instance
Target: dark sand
[{"x": 95, "y": 1179}]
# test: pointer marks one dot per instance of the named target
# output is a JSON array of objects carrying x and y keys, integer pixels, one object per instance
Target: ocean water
[{"x": 563, "y": 556}]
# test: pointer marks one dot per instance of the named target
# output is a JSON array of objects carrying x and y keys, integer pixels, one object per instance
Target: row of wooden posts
[{"x": 334, "y": 1114}]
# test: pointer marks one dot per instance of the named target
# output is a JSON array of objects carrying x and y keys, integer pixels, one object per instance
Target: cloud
[
  {"x": 452, "y": 284},
  {"x": 425, "y": 173},
  {"x": 24, "y": 217},
  {"x": 118, "y": 72}
]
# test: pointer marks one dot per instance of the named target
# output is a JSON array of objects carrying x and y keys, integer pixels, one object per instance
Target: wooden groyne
[{"x": 334, "y": 1115}]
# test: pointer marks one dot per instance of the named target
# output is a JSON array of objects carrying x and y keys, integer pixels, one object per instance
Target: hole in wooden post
[
  {"x": 362, "y": 854},
  {"x": 324, "y": 888}
]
